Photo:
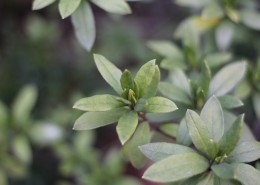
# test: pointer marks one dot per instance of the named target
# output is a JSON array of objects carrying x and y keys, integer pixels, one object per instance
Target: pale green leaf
[
  {"x": 183, "y": 136},
  {"x": 39, "y": 4},
  {"x": 98, "y": 103},
  {"x": 170, "y": 129},
  {"x": 84, "y": 25},
  {"x": 92, "y": 120},
  {"x": 250, "y": 18},
  {"x": 170, "y": 63},
  {"x": 180, "y": 80},
  {"x": 67, "y": 7},
  {"x": 131, "y": 150},
  {"x": 160, "y": 105},
  {"x": 224, "y": 34},
  {"x": 212, "y": 11},
  {"x": 230, "y": 102},
  {"x": 140, "y": 105},
  {"x": 245, "y": 152},
  {"x": 147, "y": 79},
  {"x": 200, "y": 135},
  {"x": 109, "y": 72},
  {"x": 114, "y": 6},
  {"x": 159, "y": 151},
  {"x": 193, "y": 3},
  {"x": 223, "y": 170},
  {"x": 217, "y": 59},
  {"x": 126, "y": 126},
  {"x": 212, "y": 116},
  {"x": 227, "y": 78},
  {"x": 22, "y": 149},
  {"x": 176, "y": 168},
  {"x": 204, "y": 78},
  {"x": 208, "y": 179},
  {"x": 246, "y": 174}
]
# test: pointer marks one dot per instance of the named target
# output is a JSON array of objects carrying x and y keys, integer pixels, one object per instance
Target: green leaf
[
  {"x": 174, "y": 93},
  {"x": 39, "y": 4},
  {"x": 84, "y": 25},
  {"x": 160, "y": 105},
  {"x": 176, "y": 167},
  {"x": 159, "y": 151},
  {"x": 98, "y": 103},
  {"x": 212, "y": 116},
  {"x": 140, "y": 105},
  {"x": 200, "y": 135},
  {"x": 223, "y": 170},
  {"x": 212, "y": 11},
  {"x": 141, "y": 137},
  {"x": 180, "y": 80},
  {"x": 126, "y": 126},
  {"x": 109, "y": 72},
  {"x": 227, "y": 78},
  {"x": 250, "y": 18},
  {"x": 245, "y": 152},
  {"x": 115, "y": 6},
  {"x": 67, "y": 7},
  {"x": 147, "y": 79},
  {"x": 170, "y": 129},
  {"x": 170, "y": 63},
  {"x": 193, "y": 3},
  {"x": 218, "y": 59},
  {"x": 207, "y": 180},
  {"x": 231, "y": 136},
  {"x": 183, "y": 136},
  {"x": 24, "y": 104},
  {"x": 126, "y": 80},
  {"x": 205, "y": 77},
  {"x": 92, "y": 120},
  {"x": 256, "y": 103},
  {"x": 230, "y": 102},
  {"x": 22, "y": 149},
  {"x": 224, "y": 34},
  {"x": 3, "y": 115}
]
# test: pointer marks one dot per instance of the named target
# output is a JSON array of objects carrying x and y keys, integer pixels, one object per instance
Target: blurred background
[{"x": 44, "y": 70}]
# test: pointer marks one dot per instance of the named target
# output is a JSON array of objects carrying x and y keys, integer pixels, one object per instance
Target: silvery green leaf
[
  {"x": 39, "y": 4},
  {"x": 179, "y": 79},
  {"x": 183, "y": 136},
  {"x": 67, "y": 7},
  {"x": 115, "y": 6},
  {"x": 230, "y": 102},
  {"x": 170, "y": 129},
  {"x": 217, "y": 59},
  {"x": 250, "y": 18},
  {"x": 159, "y": 105}
]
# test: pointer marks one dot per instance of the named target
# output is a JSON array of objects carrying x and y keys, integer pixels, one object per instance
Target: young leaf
[
  {"x": 231, "y": 136},
  {"x": 39, "y": 4},
  {"x": 115, "y": 6},
  {"x": 174, "y": 93},
  {"x": 212, "y": 116},
  {"x": 183, "y": 136},
  {"x": 176, "y": 168},
  {"x": 84, "y": 25},
  {"x": 227, "y": 78},
  {"x": 147, "y": 79},
  {"x": 160, "y": 105},
  {"x": 200, "y": 134},
  {"x": 245, "y": 152},
  {"x": 126, "y": 80},
  {"x": 92, "y": 120},
  {"x": 193, "y": 3},
  {"x": 98, "y": 103},
  {"x": 159, "y": 151},
  {"x": 205, "y": 77},
  {"x": 217, "y": 59},
  {"x": 67, "y": 7},
  {"x": 126, "y": 126},
  {"x": 230, "y": 102},
  {"x": 141, "y": 137},
  {"x": 179, "y": 79},
  {"x": 109, "y": 72}
]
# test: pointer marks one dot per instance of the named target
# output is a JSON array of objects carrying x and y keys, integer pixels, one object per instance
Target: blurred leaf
[
  {"x": 67, "y": 7},
  {"x": 183, "y": 136},
  {"x": 250, "y": 18},
  {"x": 227, "y": 78},
  {"x": 170, "y": 129},
  {"x": 147, "y": 79},
  {"x": 83, "y": 141},
  {"x": 3, "y": 178},
  {"x": 217, "y": 59},
  {"x": 39, "y": 4},
  {"x": 224, "y": 34},
  {"x": 212, "y": 117},
  {"x": 200, "y": 135},
  {"x": 3, "y": 115},
  {"x": 231, "y": 136},
  {"x": 230, "y": 102},
  {"x": 212, "y": 11},
  {"x": 159, "y": 151},
  {"x": 84, "y": 25},
  {"x": 126, "y": 126},
  {"x": 176, "y": 167},
  {"x": 205, "y": 77},
  {"x": 243, "y": 90},
  {"x": 179, "y": 79},
  {"x": 98, "y": 103},
  {"x": 192, "y": 3},
  {"x": 115, "y": 6},
  {"x": 109, "y": 72},
  {"x": 22, "y": 149},
  {"x": 140, "y": 105},
  {"x": 131, "y": 150},
  {"x": 24, "y": 104},
  {"x": 160, "y": 105},
  {"x": 207, "y": 179},
  {"x": 171, "y": 63},
  {"x": 256, "y": 103},
  {"x": 92, "y": 120}
]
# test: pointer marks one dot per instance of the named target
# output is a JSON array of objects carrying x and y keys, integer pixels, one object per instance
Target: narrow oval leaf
[
  {"x": 147, "y": 79},
  {"x": 22, "y": 149},
  {"x": 179, "y": 79},
  {"x": 217, "y": 59},
  {"x": 212, "y": 116},
  {"x": 126, "y": 126},
  {"x": 230, "y": 102},
  {"x": 160, "y": 105},
  {"x": 223, "y": 170},
  {"x": 126, "y": 80},
  {"x": 174, "y": 93},
  {"x": 170, "y": 129},
  {"x": 183, "y": 136},
  {"x": 176, "y": 168},
  {"x": 227, "y": 78},
  {"x": 212, "y": 11},
  {"x": 39, "y": 4},
  {"x": 193, "y": 3},
  {"x": 231, "y": 136},
  {"x": 92, "y": 120},
  {"x": 245, "y": 152},
  {"x": 251, "y": 19},
  {"x": 246, "y": 174},
  {"x": 159, "y": 151},
  {"x": 131, "y": 150},
  {"x": 84, "y": 25},
  {"x": 109, "y": 72},
  {"x": 67, "y": 7},
  {"x": 200, "y": 135},
  {"x": 98, "y": 103},
  {"x": 115, "y": 6}
]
